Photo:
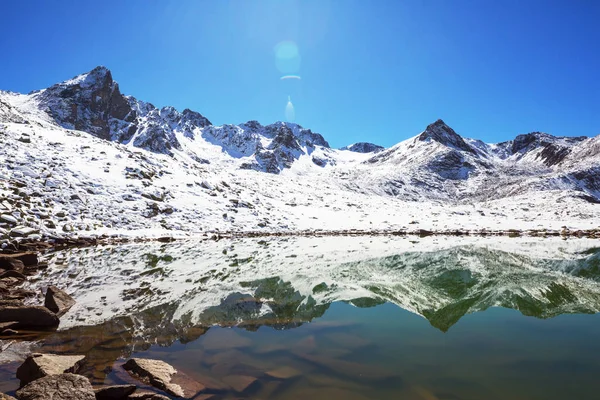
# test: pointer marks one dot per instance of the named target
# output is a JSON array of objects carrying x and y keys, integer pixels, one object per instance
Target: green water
[{"x": 448, "y": 324}]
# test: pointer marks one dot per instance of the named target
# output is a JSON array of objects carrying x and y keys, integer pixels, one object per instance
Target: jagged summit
[
  {"x": 442, "y": 133},
  {"x": 363, "y": 147},
  {"x": 526, "y": 142}
]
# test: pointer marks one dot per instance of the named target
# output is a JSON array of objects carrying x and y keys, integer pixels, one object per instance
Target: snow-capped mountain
[
  {"x": 93, "y": 103},
  {"x": 80, "y": 155}
]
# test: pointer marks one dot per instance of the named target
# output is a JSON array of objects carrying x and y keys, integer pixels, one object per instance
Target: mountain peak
[
  {"x": 363, "y": 147},
  {"x": 97, "y": 77},
  {"x": 442, "y": 133}
]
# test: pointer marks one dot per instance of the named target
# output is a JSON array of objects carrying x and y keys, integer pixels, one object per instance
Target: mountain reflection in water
[{"x": 346, "y": 313}]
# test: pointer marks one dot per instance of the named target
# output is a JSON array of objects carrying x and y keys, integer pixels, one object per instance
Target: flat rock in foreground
[
  {"x": 58, "y": 387},
  {"x": 37, "y": 366},
  {"x": 164, "y": 377}
]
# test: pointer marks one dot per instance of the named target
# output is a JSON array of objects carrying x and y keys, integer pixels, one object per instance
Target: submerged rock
[
  {"x": 58, "y": 387},
  {"x": 29, "y": 316},
  {"x": 58, "y": 301},
  {"x": 164, "y": 377},
  {"x": 147, "y": 396},
  {"x": 117, "y": 392},
  {"x": 37, "y": 366}
]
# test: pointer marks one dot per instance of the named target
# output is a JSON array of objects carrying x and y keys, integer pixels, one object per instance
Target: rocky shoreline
[
  {"x": 61, "y": 243},
  {"x": 56, "y": 377}
]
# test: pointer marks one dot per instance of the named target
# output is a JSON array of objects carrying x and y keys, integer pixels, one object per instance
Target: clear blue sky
[{"x": 375, "y": 71}]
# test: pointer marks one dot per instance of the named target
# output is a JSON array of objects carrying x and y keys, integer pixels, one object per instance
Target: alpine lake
[{"x": 445, "y": 318}]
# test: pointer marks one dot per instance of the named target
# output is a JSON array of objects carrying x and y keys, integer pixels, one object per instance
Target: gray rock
[
  {"x": 58, "y": 301},
  {"x": 58, "y": 387},
  {"x": 9, "y": 219},
  {"x": 37, "y": 366},
  {"x": 29, "y": 316},
  {"x": 117, "y": 392}
]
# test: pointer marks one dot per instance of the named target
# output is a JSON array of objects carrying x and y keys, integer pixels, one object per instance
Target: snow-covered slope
[{"x": 81, "y": 156}]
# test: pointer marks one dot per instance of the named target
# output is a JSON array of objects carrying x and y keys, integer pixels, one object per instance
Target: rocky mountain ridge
[{"x": 81, "y": 156}]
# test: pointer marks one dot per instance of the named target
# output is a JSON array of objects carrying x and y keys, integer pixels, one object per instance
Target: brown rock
[
  {"x": 6, "y": 397},
  {"x": 324, "y": 393},
  {"x": 239, "y": 383},
  {"x": 58, "y": 301},
  {"x": 29, "y": 316},
  {"x": 164, "y": 377},
  {"x": 14, "y": 303},
  {"x": 117, "y": 392},
  {"x": 11, "y": 264},
  {"x": 37, "y": 366},
  {"x": 58, "y": 387},
  {"x": 28, "y": 258},
  {"x": 351, "y": 369},
  {"x": 283, "y": 373},
  {"x": 12, "y": 274}
]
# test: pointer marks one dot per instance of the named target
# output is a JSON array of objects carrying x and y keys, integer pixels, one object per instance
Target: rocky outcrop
[
  {"x": 58, "y": 387},
  {"x": 58, "y": 301},
  {"x": 92, "y": 103},
  {"x": 442, "y": 133},
  {"x": 37, "y": 366}
]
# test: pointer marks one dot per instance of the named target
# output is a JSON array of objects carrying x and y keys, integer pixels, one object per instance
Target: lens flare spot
[
  {"x": 287, "y": 57},
  {"x": 286, "y": 77},
  {"x": 290, "y": 113}
]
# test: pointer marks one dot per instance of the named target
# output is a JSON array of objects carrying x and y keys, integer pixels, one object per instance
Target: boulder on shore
[
  {"x": 58, "y": 301},
  {"x": 29, "y": 316},
  {"x": 38, "y": 365},
  {"x": 58, "y": 387}
]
